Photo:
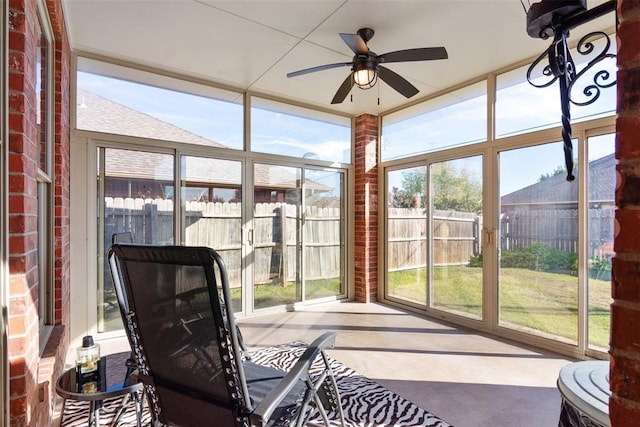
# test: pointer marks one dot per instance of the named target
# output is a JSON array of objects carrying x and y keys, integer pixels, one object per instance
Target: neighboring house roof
[
  {"x": 556, "y": 189},
  {"x": 100, "y": 114},
  {"x": 158, "y": 166},
  {"x": 97, "y": 113}
]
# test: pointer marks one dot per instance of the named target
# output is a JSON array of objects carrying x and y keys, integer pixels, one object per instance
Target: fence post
[
  {"x": 284, "y": 258},
  {"x": 150, "y": 223},
  {"x": 476, "y": 236}
]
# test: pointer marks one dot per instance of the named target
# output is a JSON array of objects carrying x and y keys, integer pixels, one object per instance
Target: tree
[{"x": 452, "y": 189}]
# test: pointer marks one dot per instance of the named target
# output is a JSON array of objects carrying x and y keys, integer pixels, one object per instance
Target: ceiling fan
[{"x": 366, "y": 68}]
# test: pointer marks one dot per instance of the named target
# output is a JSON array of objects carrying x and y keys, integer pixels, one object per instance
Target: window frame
[
  {"x": 582, "y": 129},
  {"x": 45, "y": 179}
]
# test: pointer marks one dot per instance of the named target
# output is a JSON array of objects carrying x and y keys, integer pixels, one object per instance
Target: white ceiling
[{"x": 252, "y": 44}]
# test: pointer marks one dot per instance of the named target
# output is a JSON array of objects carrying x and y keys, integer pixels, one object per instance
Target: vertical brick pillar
[
  {"x": 624, "y": 405},
  {"x": 366, "y": 208},
  {"x": 32, "y": 374},
  {"x": 23, "y": 325}
]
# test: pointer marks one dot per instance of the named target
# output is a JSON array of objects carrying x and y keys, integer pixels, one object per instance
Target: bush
[
  {"x": 475, "y": 260},
  {"x": 540, "y": 257},
  {"x": 600, "y": 268},
  {"x": 537, "y": 256}
]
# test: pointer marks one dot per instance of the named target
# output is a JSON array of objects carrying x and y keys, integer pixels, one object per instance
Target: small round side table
[{"x": 112, "y": 383}]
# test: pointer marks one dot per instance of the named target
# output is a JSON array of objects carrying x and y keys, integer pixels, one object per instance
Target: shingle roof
[
  {"x": 100, "y": 114},
  {"x": 556, "y": 189}
]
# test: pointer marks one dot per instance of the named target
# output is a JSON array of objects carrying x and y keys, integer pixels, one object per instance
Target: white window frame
[
  {"x": 490, "y": 149},
  {"x": 45, "y": 189}
]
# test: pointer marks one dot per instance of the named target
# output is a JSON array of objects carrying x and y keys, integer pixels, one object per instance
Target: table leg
[{"x": 139, "y": 401}]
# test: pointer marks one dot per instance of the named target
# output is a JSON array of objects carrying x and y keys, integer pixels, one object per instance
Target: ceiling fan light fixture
[
  {"x": 366, "y": 68},
  {"x": 364, "y": 77}
]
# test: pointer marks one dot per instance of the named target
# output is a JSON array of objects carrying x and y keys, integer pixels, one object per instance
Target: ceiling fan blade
[
  {"x": 356, "y": 43},
  {"x": 397, "y": 82},
  {"x": 419, "y": 54},
  {"x": 343, "y": 90},
  {"x": 319, "y": 68}
]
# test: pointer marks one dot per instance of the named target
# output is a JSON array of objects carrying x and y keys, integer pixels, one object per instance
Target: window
[
  {"x": 519, "y": 258},
  {"x": 521, "y": 107},
  {"x": 538, "y": 278},
  {"x": 600, "y": 220},
  {"x": 44, "y": 92},
  {"x": 278, "y": 128},
  {"x": 173, "y": 166},
  {"x": 132, "y": 198},
  {"x": 111, "y": 99},
  {"x": 455, "y": 119}
]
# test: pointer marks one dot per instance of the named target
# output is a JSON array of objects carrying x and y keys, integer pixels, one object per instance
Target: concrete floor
[{"x": 467, "y": 379}]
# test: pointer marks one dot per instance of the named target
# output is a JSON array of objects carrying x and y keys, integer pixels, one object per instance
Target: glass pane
[
  {"x": 276, "y": 235},
  {"x": 137, "y": 198},
  {"x": 456, "y": 206},
  {"x": 190, "y": 115},
  {"x": 407, "y": 234},
  {"x": 323, "y": 233},
  {"x": 602, "y": 181},
  {"x": 455, "y": 119},
  {"x": 211, "y": 207},
  {"x": 278, "y": 128},
  {"x": 521, "y": 107},
  {"x": 43, "y": 77},
  {"x": 44, "y": 255},
  {"x": 538, "y": 282}
]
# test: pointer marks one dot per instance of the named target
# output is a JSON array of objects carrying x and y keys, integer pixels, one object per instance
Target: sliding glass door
[
  {"x": 297, "y": 242},
  {"x": 456, "y": 224},
  {"x": 135, "y": 191},
  {"x": 407, "y": 234},
  {"x": 277, "y": 199},
  {"x": 538, "y": 271},
  {"x": 434, "y": 253},
  {"x": 323, "y": 245},
  {"x": 600, "y": 223},
  {"x": 211, "y": 212}
]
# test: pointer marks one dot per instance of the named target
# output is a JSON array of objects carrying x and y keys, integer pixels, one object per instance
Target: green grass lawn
[
  {"x": 545, "y": 302},
  {"x": 270, "y": 295}
]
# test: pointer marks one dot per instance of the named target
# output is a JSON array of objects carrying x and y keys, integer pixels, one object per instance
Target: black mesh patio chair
[{"x": 188, "y": 351}]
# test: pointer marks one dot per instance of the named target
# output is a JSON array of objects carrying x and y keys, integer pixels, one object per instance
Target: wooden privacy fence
[
  {"x": 456, "y": 237},
  {"x": 559, "y": 229},
  {"x": 277, "y": 233},
  {"x": 219, "y": 226}
]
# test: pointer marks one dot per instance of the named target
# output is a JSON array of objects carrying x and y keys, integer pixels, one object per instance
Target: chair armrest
[{"x": 300, "y": 370}]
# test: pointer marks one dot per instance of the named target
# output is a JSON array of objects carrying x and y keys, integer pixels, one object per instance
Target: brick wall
[
  {"x": 31, "y": 374},
  {"x": 624, "y": 405},
  {"x": 366, "y": 208}
]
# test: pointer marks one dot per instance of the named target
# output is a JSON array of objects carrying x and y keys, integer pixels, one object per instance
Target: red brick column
[
  {"x": 366, "y": 208},
  {"x": 624, "y": 405},
  {"x": 31, "y": 374}
]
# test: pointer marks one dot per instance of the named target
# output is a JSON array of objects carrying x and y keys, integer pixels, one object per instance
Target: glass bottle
[{"x": 87, "y": 365}]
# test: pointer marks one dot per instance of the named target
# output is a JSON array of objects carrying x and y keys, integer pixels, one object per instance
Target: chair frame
[{"x": 321, "y": 390}]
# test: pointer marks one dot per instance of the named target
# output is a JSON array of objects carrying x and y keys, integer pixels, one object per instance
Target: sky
[
  {"x": 222, "y": 121},
  {"x": 518, "y": 107}
]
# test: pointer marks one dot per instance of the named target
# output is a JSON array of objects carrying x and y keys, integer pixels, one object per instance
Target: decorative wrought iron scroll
[{"x": 560, "y": 66}]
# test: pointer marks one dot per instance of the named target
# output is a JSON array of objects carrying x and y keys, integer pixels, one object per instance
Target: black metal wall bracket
[{"x": 555, "y": 18}]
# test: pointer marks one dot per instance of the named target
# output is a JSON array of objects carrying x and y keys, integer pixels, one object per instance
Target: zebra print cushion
[{"x": 365, "y": 403}]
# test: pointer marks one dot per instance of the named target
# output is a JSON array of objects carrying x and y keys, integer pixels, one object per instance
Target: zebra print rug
[{"x": 365, "y": 403}]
